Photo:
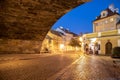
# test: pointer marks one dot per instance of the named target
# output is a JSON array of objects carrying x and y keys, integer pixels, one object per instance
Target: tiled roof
[
  {"x": 67, "y": 31},
  {"x": 110, "y": 13},
  {"x": 75, "y": 35},
  {"x": 55, "y": 32}
]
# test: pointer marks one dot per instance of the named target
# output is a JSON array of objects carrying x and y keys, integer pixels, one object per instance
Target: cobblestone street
[
  {"x": 67, "y": 66},
  {"x": 91, "y": 68}
]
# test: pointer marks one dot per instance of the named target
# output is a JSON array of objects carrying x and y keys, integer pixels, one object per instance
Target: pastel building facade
[
  {"x": 106, "y": 31},
  {"x": 68, "y": 35},
  {"x": 52, "y": 42},
  {"x": 57, "y": 41}
]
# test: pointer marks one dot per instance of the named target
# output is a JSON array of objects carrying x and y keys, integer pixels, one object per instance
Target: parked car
[{"x": 116, "y": 52}]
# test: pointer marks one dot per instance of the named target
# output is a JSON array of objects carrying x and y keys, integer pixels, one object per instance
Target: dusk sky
[{"x": 80, "y": 18}]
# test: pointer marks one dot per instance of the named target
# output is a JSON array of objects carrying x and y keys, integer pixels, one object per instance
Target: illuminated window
[
  {"x": 106, "y": 21},
  {"x": 111, "y": 19}
]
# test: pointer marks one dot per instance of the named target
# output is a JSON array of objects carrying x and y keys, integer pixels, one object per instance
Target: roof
[
  {"x": 55, "y": 32},
  {"x": 110, "y": 13},
  {"x": 74, "y": 35},
  {"x": 69, "y": 32},
  {"x": 65, "y": 30}
]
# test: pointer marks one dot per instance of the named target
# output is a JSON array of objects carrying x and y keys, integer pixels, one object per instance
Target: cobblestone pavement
[
  {"x": 58, "y": 67},
  {"x": 91, "y": 67},
  {"x": 33, "y": 66}
]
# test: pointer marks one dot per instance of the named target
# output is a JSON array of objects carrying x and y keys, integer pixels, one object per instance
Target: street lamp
[
  {"x": 81, "y": 39},
  {"x": 62, "y": 46}
]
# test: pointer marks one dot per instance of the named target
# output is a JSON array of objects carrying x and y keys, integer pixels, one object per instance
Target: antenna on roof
[
  {"x": 117, "y": 10},
  {"x": 61, "y": 27},
  {"x": 111, "y": 7}
]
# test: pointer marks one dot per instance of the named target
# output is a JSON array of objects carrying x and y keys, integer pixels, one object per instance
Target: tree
[{"x": 75, "y": 43}]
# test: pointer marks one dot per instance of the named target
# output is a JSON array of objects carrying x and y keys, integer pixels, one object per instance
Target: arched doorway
[{"x": 108, "y": 48}]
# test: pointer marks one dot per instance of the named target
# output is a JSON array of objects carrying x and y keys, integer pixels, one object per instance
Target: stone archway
[
  {"x": 108, "y": 48},
  {"x": 25, "y": 23}
]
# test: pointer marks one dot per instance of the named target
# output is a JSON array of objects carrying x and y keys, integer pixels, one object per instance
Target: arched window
[{"x": 104, "y": 14}]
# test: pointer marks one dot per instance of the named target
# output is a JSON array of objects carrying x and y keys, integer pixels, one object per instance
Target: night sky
[{"x": 80, "y": 18}]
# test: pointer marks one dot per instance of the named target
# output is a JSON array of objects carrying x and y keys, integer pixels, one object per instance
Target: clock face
[{"x": 104, "y": 14}]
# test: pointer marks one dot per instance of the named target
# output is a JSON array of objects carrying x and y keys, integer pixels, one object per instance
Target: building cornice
[{"x": 103, "y": 34}]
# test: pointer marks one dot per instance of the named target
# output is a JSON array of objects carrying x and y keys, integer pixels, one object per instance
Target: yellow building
[
  {"x": 106, "y": 31},
  {"x": 52, "y": 42},
  {"x": 68, "y": 35},
  {"x": 57, "y": 41}
]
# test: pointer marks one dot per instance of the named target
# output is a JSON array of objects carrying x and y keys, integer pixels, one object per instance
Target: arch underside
[{"x": 30, "y": 20}]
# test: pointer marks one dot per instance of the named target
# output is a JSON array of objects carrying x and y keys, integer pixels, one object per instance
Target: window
[
  {"x": 96, "y": 24},
  {"x": 111, "y": 19},
  {"x": 49, "y": 41},
  {"x": 118, "y": 27},
  {"x": 106, "y": 21},
  {"x": 104, "y": 28},
  {"x": 118, "y": 19},
  {"x": 119, "y": 42},
  {"x": 99, "y": 23},
  {"x": 104, "y": 14},
  {"x": 112, "y": 28}
]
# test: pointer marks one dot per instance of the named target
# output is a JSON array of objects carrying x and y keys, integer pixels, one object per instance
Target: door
[{"x": 108, "y": 48}]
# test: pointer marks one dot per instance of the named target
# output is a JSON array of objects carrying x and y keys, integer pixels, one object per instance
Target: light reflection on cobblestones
[
  {"x": 59, "y": 67},
  {"x": 93, "y": 68}
]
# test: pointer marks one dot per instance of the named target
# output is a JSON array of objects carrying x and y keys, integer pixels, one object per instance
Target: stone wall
[
  {"x": 24, "y": 21},
  {"x": 19, "y": 46}
]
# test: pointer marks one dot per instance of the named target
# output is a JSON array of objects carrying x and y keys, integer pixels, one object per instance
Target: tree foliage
[{"x": 75, "y": 43}]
